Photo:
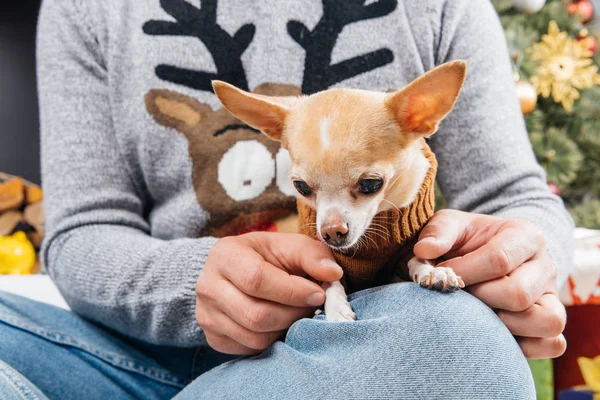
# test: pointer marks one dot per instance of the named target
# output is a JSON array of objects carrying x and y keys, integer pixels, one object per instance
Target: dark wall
[{"x": 19, "y": 125}]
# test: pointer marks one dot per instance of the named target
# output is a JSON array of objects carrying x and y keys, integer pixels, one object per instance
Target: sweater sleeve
[
  {"x": 486, "y": 163},
  {"x": 98, "y": 248}
]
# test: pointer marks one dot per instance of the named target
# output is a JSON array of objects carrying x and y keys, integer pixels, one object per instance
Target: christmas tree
[{"x": 553, "y": 48}]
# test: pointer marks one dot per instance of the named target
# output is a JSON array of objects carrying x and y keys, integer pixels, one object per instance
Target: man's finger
[
  {"x": 520, "y": 289},
  {"x": 507, "y": 250},
  {"x": 255, "y": 314},
  {"x": 300, "y": 255},
  {"x": 226, "y": 345},
  {"x": 220, "y": 324},
  {"x": 545, "y": 319},
  {"x": 540, "y": 348},
  {"x": 261, "y": 279},
  {"x": 443, "y": 232},
  {"x": 320, "y": 264}
]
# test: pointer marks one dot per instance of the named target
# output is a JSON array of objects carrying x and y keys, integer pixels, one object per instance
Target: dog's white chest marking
[
  {"x": 324, "y": 130},
  {"x": 337, "y": 308},
  {"x": 442, "y": 279}
]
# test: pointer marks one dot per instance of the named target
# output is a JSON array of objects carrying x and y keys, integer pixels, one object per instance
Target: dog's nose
[{"x": 334, "y": 234}]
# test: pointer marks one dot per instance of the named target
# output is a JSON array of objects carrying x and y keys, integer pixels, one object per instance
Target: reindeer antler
[
  {"x": 319, "y": 74},
  {"x": 201, "y": 23}
]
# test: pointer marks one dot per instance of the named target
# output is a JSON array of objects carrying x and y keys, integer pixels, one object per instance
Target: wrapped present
[
  {"x": 579, "y": 393},
  {"x": 583, "y": 284},
  {"x": 590, "y": 370},
  {"x": 583, "y": 340}
]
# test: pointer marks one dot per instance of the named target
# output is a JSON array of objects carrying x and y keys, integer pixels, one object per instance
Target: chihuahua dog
[{"x": 359, "y": 157}]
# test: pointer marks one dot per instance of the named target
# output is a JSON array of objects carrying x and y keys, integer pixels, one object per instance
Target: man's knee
[
  {"x": 441, "y": 314},
  {"x": 448, "y": 339},
  {"x": 408, "y": 342},
  {"x": 15, "y": 386}
]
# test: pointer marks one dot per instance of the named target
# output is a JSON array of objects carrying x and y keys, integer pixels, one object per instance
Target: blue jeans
[{"x": 408, "y": 343}]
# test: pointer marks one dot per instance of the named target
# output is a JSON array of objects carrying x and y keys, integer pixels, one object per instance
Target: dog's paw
[
  {"x": 442, "y": 279},
  {"x": 337, "y": 308},
  {"x": 340, "y": 311}
]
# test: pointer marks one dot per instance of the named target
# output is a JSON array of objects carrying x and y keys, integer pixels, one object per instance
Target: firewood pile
[{"x": 20, "y": 211}]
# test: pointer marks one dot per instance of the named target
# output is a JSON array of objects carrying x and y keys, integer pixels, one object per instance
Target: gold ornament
[
  {"x": 566, "y": 66},
  {"x": 527, "y": 96}
]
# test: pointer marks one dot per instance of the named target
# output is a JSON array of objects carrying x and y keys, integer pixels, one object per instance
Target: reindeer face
[{"x": 240, "y": 176}]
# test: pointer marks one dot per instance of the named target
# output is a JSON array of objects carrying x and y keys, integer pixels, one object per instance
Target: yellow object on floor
[
  {"x": 590, "y": 369},
  {"x": 17, "y": 255}
]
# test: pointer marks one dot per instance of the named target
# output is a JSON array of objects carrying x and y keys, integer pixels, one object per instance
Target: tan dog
[{"x": 356, "y": 155}]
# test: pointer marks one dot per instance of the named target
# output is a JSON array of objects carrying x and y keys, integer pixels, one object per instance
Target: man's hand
[
  {"x": 505, "y": 264},
  {"x": 254, "y": 286}
]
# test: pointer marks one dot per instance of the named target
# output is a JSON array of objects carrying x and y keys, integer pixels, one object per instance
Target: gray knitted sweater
[{"x": 142, "y": 169}]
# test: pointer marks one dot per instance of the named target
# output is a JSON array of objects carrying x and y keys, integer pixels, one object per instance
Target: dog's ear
[
  {"x": 265, "y": 113},
  {"x": 421, "y": 105}
]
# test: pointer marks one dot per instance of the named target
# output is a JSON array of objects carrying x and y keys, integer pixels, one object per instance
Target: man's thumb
[
  {"x": 316, "y": 260},
  {"x": 440, "y": 235}
]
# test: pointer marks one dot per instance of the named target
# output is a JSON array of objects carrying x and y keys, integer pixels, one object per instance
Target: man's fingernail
[
  {"x": 428, "y": 240},
  {"x": 315, "y": 299},
  {"x": 327, "y": 263}
]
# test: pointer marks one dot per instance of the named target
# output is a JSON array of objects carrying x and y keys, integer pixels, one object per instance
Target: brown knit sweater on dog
[{"x": 391, "y": 237}]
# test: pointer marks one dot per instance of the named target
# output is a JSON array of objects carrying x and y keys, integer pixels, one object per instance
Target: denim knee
[
  {"x": 408, "y": 343},
  {"x": 14, "y": 386},
  {"x": 454, "y": 332}
]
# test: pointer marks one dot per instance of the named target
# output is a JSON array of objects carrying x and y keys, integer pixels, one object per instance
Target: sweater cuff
[{"x": 193, "y": 258}]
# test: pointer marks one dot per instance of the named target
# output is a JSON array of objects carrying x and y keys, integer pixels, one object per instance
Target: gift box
[
  {"x": 583, "y": 283},
  {"x": 579, "y": 393},
  {"x": 581, "y": 295},
  {"x": 590, "y": 370},
  {"x": 583, "y": 341}
]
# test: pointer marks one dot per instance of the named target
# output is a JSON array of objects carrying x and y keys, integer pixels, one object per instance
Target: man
[{"x": 139, "y": 161}]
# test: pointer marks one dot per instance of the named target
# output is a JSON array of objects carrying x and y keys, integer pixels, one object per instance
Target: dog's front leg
[
  {"x": 337, "y": 308},
  {"x": 439, "y": 278}
]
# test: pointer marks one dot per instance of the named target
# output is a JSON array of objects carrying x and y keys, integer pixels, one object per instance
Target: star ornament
[{"x": 566, "y": 67}]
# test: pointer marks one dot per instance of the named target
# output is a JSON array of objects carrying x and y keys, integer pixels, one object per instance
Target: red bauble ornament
[
  {"x": 553, "y": 188},
  {"x": 584, "y": 8},
  {"x": 590, "y": 42}
]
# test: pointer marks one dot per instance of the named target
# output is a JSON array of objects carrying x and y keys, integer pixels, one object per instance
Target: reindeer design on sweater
[{"x": 241, "y": 177}]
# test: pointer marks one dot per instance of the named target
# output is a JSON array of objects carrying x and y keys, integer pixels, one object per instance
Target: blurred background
[{"x": 19, "y": 136}]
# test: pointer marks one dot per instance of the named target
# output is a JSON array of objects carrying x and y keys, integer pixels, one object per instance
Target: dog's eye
[
  {"x": 302, "y": 188},
  {"x": 370, "y": 186}
]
